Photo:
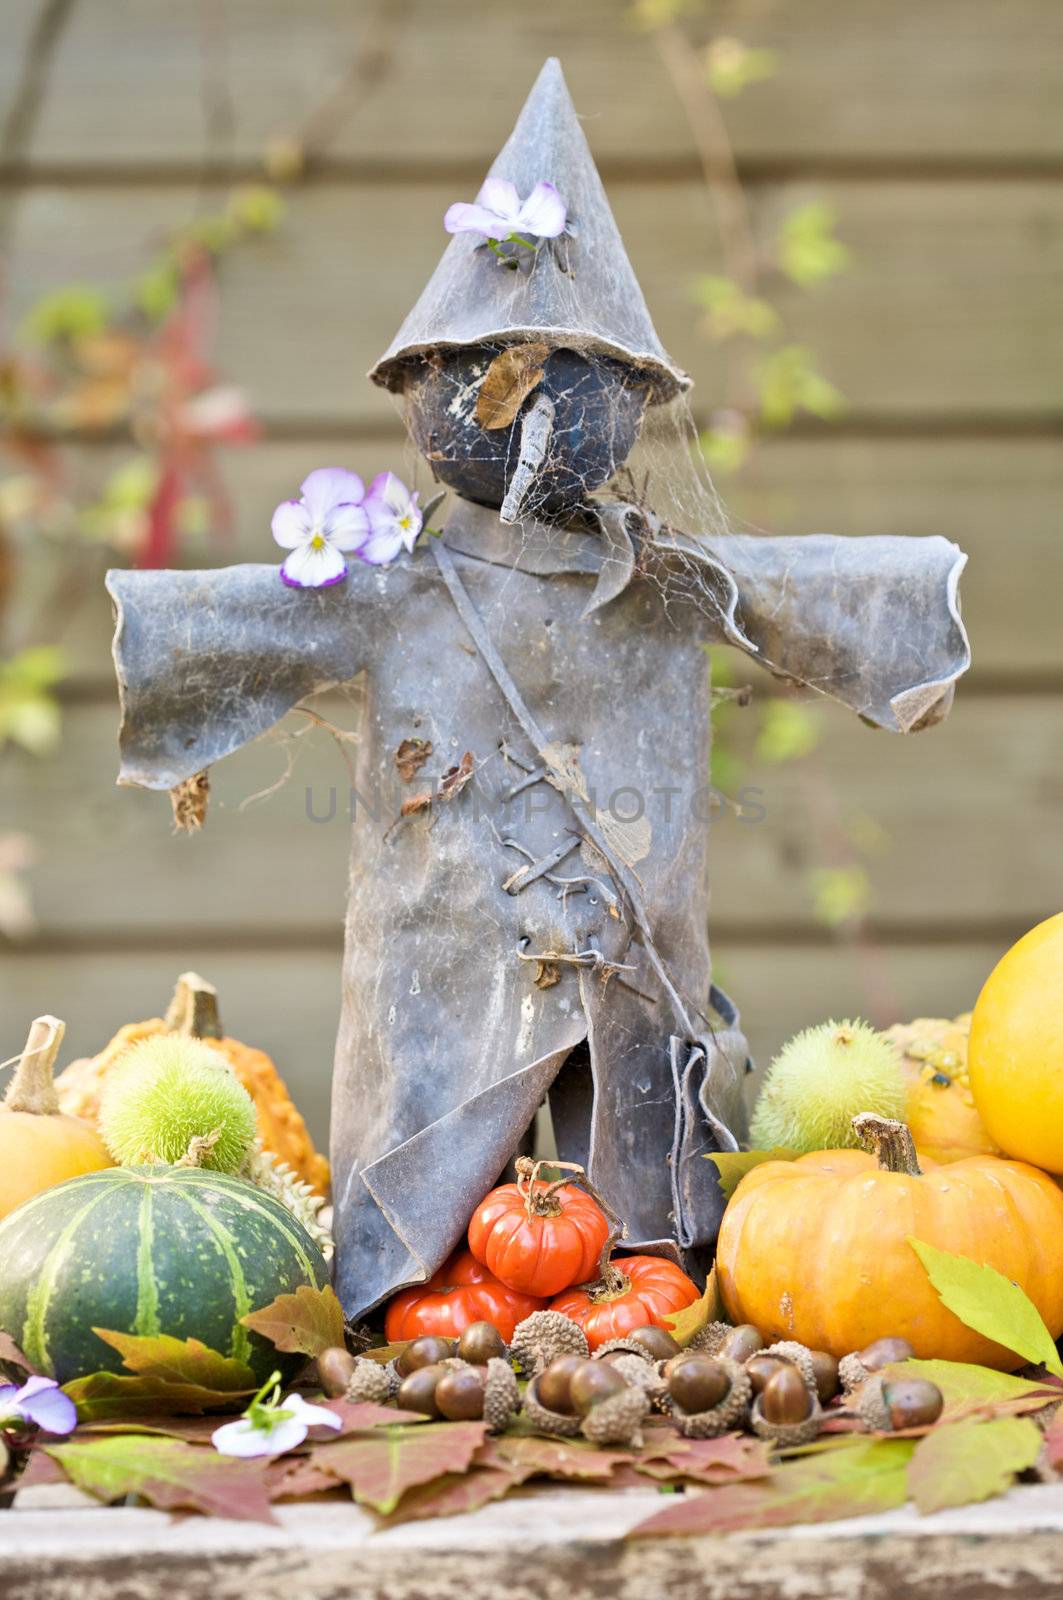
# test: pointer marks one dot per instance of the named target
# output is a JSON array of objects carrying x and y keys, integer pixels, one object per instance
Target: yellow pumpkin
[
  {"x": 817, "y": 1249},
  {"x": 940, "y": 1110},
  {"x": 39, "y": 1146},
  {"x": 194, "y": 1013},
  {"x": 1016, "y": 1052}
]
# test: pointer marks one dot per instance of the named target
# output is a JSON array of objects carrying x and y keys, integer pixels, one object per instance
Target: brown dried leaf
[
  {"x": 547, "y": 973},
  {"x": 452, "y": 1494},
  {"x": 729, "y": 1459},
  {"x": 454, "y": 779},
  {"x": 508, "y": 382},
  {"x": 306, "y": 1322},
  {"x": 416, "y": 802},
  {"x": 12, "y": 1356},
  {"x": 381, "y": 1465},
  {"x": 557, "y": 1458},
  {"x": 411, "y": 756}
]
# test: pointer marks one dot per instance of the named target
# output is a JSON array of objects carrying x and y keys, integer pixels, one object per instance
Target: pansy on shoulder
[{"x": 336, "y": 517}]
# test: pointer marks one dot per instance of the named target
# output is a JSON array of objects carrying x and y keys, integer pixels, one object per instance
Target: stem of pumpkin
[
  {"x": 610, "y": 1277},
  {"x": 32, "y": 1089},
  {"x": 193, "y": 1011},
  {"x": 889, "y": 1142}
]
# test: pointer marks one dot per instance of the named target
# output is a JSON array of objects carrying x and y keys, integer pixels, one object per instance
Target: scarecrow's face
[{"x": 588, "y": 409}]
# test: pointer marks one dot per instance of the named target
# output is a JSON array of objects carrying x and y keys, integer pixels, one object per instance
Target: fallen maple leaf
[
  {"x": 381, "y": 1465},
  {"x": 1053, "y": 1442},
  {"x": 303, "y": 1323},
  {"x": 452, "y": 1494},
  {"x": 168, "y": 1474},
  {"x": 557, "y": 1458},
  {"x": 180, "y": 1361},
  {"x": 860, "y": 1478},
  {"x": 969, "y": 1461}
]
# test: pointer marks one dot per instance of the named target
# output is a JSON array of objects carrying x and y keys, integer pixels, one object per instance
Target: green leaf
[
  {"x": 730, "y": 311},
  {"x": 808, "y": 251},
  {"x": 788, "y": 731},
  {"x": 991, "y": 1304},
  {"x": 74, "y": 312},
  {"x": 732, "y": 1165},
  {"x": 789, "y": 382},
  {"x": 685, "y": 1325},
  {"x": 968, "y": 1461},
  {"x": 168, "y": 1377},
  {"x": 29, "y": 713},
  {"x": 841, "y": 896},
  {"x": 186, "y": 1361},
  {"x": 168, "y": 1473},
  {"x": 306, "y": 1322},
  {"x": 731, "y": 66},
  {"x": 970, "y": 1390},
  {"x": 854, "y": 1480},
  {"x": 380, "y": 1466}
]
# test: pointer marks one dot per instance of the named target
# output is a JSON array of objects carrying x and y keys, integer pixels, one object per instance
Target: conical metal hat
[{"x": 581, "y": 291}]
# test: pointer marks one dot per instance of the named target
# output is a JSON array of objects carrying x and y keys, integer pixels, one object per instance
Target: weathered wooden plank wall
[{"x": 935, "y": 133}]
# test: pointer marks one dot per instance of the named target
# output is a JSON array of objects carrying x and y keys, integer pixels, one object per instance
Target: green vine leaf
[
  {"x": 991, "y": 1304},
  {"x": 969, "y": 1461},
  {"x": 852, "y": 1480},
  {"x": 808, "y": 251},
  {"x": 732, "y": 1165},
  {"x": 305, "y": 1323},
  {"x": 685, "y": 1325},
  {"x": 380, "y": 1466},
  {"x": 970, "y": 1390}
]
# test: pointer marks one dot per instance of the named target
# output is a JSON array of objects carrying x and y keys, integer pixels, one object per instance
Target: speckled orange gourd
[
  {"x": 940, "y": 1109},
  {"x": 194, "y": 1011}
]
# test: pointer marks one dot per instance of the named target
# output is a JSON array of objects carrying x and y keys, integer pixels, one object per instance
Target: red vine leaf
[
  {"x": 558, "y": 1458},
  {"x": 849, "y": 1481},
  {"x": 304, "y": 1323},
  {"x": 295, "y": 1477},
  {"x": 508, "y": 382},
  {"x": 382, "y": 1465},
  {"x": 969, "y": 1461},
  {"x": 452, "y": 1494},
  {"x": 725, "y": 1460},
  {"x": 168, "y": 1473},
  {"x": 356, "y": 1417}
]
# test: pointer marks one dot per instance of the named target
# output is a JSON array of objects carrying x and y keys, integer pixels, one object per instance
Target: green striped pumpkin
[{"x": 149, "y": 1250}]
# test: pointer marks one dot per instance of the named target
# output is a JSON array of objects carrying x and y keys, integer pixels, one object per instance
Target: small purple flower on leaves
[
  {"x": 40, "y": 1403},
  {"x": 395, "y": 520},
  {"x": 499, "y": 213},
  {"x": 327, "y": 522}
]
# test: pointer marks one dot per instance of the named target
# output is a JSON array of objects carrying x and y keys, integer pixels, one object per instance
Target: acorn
[
  {"x": 698, "y": 1379},
  {"x": 553, "y": 1384},
  {"x": 856, "y": 1368},
  {"x": 417, "y": 1391},
  {"x": 591, "y": 1383},
  {"x": 898, "y": 1404},
  {"x": 760, "y": 1369},
  {"x": 543, "y": 1418},
  {"x": 825, "y": 1369},
  {"x": 656, "y": 1342},
  {"x": 544, "y": 1335},
  {"x": 423, "y": 1352},
  {"x": 699, "y": 1383},
  {"x": 459, "y": 1394},
  {"x": 742, "y": 1342},
  {"x": 335, "y": 1369},
  {"x": 711, "y": 1339},
  {"x": 787, "y": 1411},
  {"x": 480, "y": 1343},
  {"x": 371, "y": 1383}
]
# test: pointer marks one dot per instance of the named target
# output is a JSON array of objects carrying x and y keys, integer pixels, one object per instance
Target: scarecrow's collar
[{"x": 530, "y": 546}]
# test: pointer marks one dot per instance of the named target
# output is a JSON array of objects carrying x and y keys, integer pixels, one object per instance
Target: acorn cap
[
  {"x": 617, "y": 1420},
  {"x": 370, "y": 1382},
  {"x": 852, "y": 1372},
  {"x": 710, "y": 1339},
  {"x": 501, "y": 1395},
  {"x": 723, "y": 1417},
  {"x": 630, "y": 1347},
  {"x": 787, "y": 1434},
  {"x": 642, "y": 1374},
  {"x": 799, "y": 1356},
  {"x": 869, "y": 1403},
  {"x": 543, "y": 1336},
  {"x": 581, "y": 291},
  {"x": 546, "y": 1421}
]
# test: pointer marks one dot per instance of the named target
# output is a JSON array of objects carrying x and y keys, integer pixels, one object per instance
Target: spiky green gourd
[
  {"x": 149, "y": 1250},
  {"x": 820, "y": 1081},
  {"x": 168, "y": 1092}
]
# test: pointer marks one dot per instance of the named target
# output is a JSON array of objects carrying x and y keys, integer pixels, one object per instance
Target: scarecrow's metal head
[{"x": 526, "y": 368}]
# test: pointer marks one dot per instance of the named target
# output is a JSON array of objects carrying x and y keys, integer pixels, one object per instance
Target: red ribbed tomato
[
  {"x": 651, "y": 1289},
  {"x": 460, "y": 1293},
  {"x": 539, "y": 1238}
]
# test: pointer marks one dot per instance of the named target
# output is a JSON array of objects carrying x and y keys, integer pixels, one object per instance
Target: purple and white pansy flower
[
  {"x": 39, "y": 1403},
  {"x": 395, "y": 519},
  {"x": 271, "y": 1426},
  {"x": 328, "y": 523},
  {"x": 499, "y": 214}
]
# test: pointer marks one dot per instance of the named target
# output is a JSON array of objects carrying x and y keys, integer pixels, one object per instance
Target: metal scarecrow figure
[{"x": 534, "y": 923}]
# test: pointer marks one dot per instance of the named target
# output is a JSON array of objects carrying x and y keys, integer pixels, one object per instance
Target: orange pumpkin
[
  {"x": 817, "y": 1249},
  {"x": 940, "y": 1110},
  {"x": 194, "y": 1012},
  {"x": 460, "y": 1293},
  {"x": 39, "y": 1146},
  {"x": 637, "y": 1290},
  {"x": 539, "y": 1237}
]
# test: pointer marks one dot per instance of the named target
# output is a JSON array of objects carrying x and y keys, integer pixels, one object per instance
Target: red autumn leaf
[
  {"x": 850, "y": 1481},
  {"x": 382, "y": 1465},
  {"x": 729, "y": 1459},
  {"x": 558, "y": 1458},
  {"x": 295, "y": 1477},
  {"x": 306, "y": 1322},
  {"x": 357, "y": 1417},
  {"x": 168, "y": 1473},
  {"x": 452, "y": 1494},
  {"x": 39, "y": 1470},
  {"x": 11, "y": 1355}
]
